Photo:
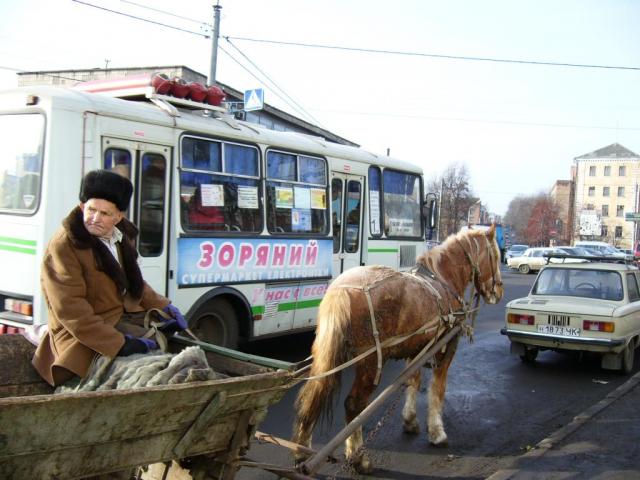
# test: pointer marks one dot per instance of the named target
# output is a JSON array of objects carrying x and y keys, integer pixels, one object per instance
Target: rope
[{"x": 389, "y": 342}]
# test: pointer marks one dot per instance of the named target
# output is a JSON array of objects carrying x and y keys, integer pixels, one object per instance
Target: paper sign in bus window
[
  {"x": 318, "y": 198},
  {"x": 302, "y": 197},
  {"x": 401, "y": 226},
  {"x": 284, "y": 197},
  {"x": 247, "y": 197},
  {"x": 212, "y": 195},
  {"x": 374, "y": 211},
  {"x": 300, "y": 220}
]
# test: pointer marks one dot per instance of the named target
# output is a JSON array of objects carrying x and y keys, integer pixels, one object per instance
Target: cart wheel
[
  {"x": 628, "y": 355},
  {"x": 215, "y": 322},
  {"x": 529, "y": 355}
]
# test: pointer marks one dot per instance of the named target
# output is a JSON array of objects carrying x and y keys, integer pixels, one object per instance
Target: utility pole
[{"x": 214, "y": 44}]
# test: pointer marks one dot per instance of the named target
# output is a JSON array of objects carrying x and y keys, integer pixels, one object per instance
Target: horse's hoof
[
  {"x": 298, "y": 461},
  {"x": 364, "y": 466},
  {"x": 411, "y": 427},
  {"x": 440, "y": 441}
]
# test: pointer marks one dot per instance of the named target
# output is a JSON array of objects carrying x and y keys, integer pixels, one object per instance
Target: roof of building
[
  {"x": 74, "y": 75},
  {"x": 615, "y": 150}
]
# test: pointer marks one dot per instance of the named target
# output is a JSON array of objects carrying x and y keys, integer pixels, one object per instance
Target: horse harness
[
  {"x": 447, "y": 315},
  {"x": 475, "y": 271}
]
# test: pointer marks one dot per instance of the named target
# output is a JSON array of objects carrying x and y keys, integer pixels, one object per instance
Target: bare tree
[
  {"x": 542, "y": 222},
  {"x": 453, "y": 188},
  {"x": 517, "y": 216}
]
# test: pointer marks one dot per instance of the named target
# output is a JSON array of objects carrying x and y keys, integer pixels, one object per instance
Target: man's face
[{"x": 100, "y": 216}]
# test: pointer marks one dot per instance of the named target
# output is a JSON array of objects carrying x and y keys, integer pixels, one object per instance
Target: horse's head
[{"x": 487, "y": 278}]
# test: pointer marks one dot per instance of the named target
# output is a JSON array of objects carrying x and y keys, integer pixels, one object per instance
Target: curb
[{"x": 556, "y": 437}]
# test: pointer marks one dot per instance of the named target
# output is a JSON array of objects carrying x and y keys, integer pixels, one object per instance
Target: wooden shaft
[{"x": 312, "y": 464}]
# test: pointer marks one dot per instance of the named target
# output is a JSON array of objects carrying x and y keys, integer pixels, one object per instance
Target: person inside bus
[
  {"x": 93, "y": 286},
  {"x": 204, "y": 217}
]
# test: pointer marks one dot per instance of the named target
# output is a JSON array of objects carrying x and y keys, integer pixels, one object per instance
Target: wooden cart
[{"x": 67, "y": 436}]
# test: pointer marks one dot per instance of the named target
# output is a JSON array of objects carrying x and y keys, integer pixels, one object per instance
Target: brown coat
[{"x": 84, "y": 287}]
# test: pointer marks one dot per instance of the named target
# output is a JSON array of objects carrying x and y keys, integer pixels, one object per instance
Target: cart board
[{"x": 74, "y": 435}]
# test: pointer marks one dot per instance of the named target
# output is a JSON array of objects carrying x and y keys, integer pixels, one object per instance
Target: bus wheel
[{"x": 215, "y": 322}]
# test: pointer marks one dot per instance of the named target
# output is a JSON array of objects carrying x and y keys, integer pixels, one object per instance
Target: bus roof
[{"x": 192, "y": 121}]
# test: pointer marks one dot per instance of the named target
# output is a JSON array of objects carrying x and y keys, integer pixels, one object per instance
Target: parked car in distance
[
  {"x": 533, "y": 259},
  {"x": 576, "y": 251},
  {"x": 626, "y": 251},
  {"x": 580, "y": 307},
  {"x": 600, "y": 248},
  {"x": 514, "y": 251}
]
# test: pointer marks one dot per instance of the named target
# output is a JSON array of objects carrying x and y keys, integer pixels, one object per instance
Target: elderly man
[{"x": 91, "y": 281}]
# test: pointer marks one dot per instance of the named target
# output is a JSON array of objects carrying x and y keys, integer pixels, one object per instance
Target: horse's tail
[{"x": 329, "y": 350}]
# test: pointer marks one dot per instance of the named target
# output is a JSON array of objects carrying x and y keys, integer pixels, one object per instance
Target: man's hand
[
  {"x": 136, "y": 345},
  {"x": 175, "y": 324}
]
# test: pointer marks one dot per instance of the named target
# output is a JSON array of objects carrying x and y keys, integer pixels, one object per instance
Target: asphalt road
[{"x": 496, "y": 407}]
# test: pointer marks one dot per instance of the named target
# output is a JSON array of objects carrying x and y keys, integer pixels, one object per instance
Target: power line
[
  {"x": 480, "y": 120},
  {"x": 436, "y": 55},
  {"x": 167, "y": 13},
  {"x": 142, "y": 19},
  {"x": 255, "y": 76},
  {"x": 300, "y": 108}
]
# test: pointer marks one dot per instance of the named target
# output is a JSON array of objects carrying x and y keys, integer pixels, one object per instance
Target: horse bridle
[{"x": 475, "y": 270}]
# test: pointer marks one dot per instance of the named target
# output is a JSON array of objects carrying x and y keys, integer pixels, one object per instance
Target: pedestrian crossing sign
[{"x": 253, "y": 99}]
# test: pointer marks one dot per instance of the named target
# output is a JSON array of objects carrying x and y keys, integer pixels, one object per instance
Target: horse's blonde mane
[{"x": 432, "y": 257}]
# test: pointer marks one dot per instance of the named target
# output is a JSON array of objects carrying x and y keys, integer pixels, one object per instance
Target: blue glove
[
  {"x": 175, "y": 324},
  {"x": 136, "y": 345}
]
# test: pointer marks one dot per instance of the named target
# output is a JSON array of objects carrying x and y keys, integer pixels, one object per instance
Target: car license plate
[{"x": 557, "y": 330}]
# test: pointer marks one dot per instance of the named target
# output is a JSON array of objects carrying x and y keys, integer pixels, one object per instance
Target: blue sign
[
  {"x": 253, "y": 99},
  {"x": 206, "y": 261}
]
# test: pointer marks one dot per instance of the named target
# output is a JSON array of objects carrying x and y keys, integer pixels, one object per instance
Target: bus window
[
  {"x": 336, "y": 212},
  {"x": 374, "y": 202},
  {"x": 296, "y": 193},
  {"x": 151, "y": 206},
  {"x": 401, "y": 204},
  {"x": 352, "y": 227},
  {"x": 21, "y": 139},
  {"x": 118, "y": 160},
  {"x": 219, "y": 186}
]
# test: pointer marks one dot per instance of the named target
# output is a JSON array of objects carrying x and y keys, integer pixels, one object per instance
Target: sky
[{"x": 515, "y": 126}]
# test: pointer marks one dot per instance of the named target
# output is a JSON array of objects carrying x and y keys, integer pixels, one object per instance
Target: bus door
[
  {"x": 346, "y": 218},
  {"x": 147, "y": 166}
]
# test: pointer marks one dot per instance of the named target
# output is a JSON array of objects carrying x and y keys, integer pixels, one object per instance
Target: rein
[{"x": 426, "y": 276}]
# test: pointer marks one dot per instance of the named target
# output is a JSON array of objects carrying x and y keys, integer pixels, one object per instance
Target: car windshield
[{"x": 569, "y": 282}]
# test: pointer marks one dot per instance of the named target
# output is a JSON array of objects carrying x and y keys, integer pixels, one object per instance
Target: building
[
  {"x": 606, "y": 188},
  {"x": 562, "y": 194},
  {"x": 269, "y": 117}
]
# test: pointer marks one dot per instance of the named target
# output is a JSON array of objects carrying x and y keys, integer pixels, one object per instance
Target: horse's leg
[
  {"x": 355, "y": 402},
  {"x": 410, "y": 423},
  {"x": 437, "y": 435}
]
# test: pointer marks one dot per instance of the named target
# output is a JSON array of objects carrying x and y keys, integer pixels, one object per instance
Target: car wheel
[
  {"x": 215, "y": 322},
  {"x": 530, "y": 354},
  {"x": 524, "y": 268},
  {"x": 628, "y": 355}
]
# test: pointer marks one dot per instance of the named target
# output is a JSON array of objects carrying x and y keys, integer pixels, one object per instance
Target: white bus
[{"x": 241, "y": 227}]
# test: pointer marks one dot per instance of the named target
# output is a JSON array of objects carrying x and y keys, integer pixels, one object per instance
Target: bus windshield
[
  {"x": 401, "y": 204},
  {"x": 21, "y": 138}
]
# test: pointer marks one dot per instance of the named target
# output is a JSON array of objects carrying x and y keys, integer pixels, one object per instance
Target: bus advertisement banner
[{"x": 206, "y": 261}]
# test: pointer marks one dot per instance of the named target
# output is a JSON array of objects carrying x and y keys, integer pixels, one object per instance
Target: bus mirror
[{"x": 430, "y": 211}]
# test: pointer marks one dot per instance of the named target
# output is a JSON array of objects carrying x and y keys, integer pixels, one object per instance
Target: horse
[{"x": 395, "y": 314}]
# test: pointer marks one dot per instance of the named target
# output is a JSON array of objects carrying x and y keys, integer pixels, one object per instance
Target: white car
[
  {"x": 533, "y": 259},
  {"x": 592, "y": 307}
]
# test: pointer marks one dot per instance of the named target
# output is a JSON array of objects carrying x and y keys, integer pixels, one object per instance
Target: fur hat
[{"x": 106, "y": 185}]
